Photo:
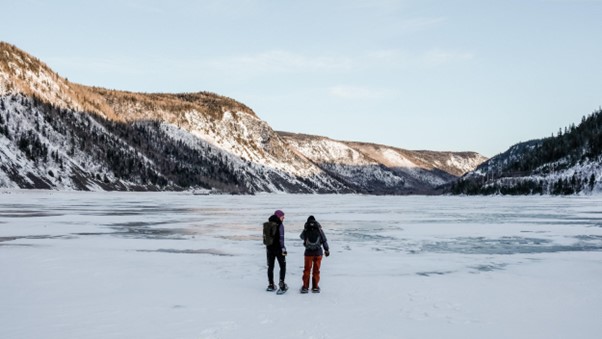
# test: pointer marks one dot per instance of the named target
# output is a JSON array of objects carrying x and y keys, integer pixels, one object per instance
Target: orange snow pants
[{"x": 315, "y": 261}]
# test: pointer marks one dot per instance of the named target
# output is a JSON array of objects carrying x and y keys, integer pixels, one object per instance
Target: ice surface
[{"x": 177, "y": 265}]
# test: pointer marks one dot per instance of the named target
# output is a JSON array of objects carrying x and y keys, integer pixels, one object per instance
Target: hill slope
[
  {"x": 55, "y": 134},
  {"x": 568, "y": 163},
  {"x": 382, "y": 169}
]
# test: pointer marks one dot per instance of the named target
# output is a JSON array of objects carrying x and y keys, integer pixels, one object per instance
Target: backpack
[
  {"x": 269, "y": 232},
  {"x": 313, "y": 238}
]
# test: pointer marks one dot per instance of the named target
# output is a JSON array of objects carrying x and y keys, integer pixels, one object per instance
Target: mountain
[
  {"x": 568, "y": 163},
  {"x": 55, "y": 134},
  {"x": 382, "y": 169}
]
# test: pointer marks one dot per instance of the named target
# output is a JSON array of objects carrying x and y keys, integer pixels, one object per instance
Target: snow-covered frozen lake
[{"x": 175, "y": 265}]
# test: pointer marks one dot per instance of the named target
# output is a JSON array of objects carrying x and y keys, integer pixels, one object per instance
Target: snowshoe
[{"x": 282, "y": 288}]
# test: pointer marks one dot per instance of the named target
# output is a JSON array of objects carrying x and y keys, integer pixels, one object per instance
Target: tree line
[
  {"x": 539, "y": 167},
  {"x": 111, "y": 151}
]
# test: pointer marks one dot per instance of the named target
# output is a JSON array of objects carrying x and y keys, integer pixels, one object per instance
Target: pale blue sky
[{"x": 474, "y": 75}]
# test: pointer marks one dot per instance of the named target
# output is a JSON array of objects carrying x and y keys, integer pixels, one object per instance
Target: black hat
[{"x": 311, "y": 218}]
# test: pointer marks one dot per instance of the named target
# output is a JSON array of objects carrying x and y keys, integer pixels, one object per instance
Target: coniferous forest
[
  {"x": 565, "y": 163},
  {"x": 139, "y": 152}
]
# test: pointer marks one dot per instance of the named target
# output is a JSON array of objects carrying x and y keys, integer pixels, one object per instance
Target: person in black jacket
[
  {"x": 277, "y": 250},
  {"x": 313, "y": 240}
]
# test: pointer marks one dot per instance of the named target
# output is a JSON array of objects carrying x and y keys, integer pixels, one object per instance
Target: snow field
[{"x": 173, "y": 265}]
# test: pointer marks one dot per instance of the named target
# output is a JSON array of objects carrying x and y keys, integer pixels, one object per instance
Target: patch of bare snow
[{"x": 397, "y": 159}]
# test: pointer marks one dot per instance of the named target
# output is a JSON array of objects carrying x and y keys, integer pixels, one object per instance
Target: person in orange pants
[{"x": 313, "y": 240}]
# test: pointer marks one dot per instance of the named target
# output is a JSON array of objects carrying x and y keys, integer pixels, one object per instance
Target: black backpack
[
  {"x": 269, "y": 232},
  {"x": 313, "y": 238}
]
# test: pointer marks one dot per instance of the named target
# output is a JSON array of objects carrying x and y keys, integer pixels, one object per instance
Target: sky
[{"x": 474, "y": 75}]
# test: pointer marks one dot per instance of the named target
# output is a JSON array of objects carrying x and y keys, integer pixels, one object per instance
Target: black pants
[{"x": 273, "y": 254}]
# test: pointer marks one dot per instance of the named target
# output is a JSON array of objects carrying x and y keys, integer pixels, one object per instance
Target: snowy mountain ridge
[
  {"x": 55, "y": 134},
  {"x": 569, "y": 163},
  {"x": 362, "y": 163}
]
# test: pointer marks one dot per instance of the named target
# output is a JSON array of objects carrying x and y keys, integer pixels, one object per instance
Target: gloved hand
[
  {"x": 284, "y": 252},
  {"x": 327, "y": 253}
]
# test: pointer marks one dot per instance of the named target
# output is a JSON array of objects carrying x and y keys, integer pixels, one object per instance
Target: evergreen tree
[{"x": 575, "y": 145}]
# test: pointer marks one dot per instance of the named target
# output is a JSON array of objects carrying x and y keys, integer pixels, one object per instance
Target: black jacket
[
  {"x": 323, "y": 240},
  {"x": 278, "y": 246}
]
